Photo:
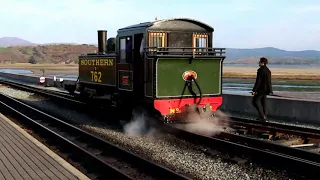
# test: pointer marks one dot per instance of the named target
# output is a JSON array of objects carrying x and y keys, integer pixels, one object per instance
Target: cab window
[
  {"x": 142, "y": 46},
  {"x": 125, "y": 49},
  {"x": 156, "y": 39},
  {"x": 200, "y": 41},
  {"x": 122, "y": 50}
]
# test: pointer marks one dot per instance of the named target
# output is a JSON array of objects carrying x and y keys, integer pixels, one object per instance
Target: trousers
[{"x": 260, "y": 103}]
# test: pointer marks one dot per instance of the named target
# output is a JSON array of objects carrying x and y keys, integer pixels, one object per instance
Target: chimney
[{"x": 102, "y": 41}]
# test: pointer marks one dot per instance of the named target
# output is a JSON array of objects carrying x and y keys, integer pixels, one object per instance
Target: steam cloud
[
  {"x": 141, "y": 124},
  {"x": 205, "y": 123}
]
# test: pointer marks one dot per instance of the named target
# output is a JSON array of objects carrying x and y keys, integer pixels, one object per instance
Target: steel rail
[
  {"x": 270, "y": 126},
  {"x": 48, "y": 93}
]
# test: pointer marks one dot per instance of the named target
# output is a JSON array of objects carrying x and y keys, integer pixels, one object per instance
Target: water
[
  {"x": 16, "y": 71},
  {"x": 29, "y": 72}
]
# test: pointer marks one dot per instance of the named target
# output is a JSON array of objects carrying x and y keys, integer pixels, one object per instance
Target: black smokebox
[{"x": 102, "y": 41}]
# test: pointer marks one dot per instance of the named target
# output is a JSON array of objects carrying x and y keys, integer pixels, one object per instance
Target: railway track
[
  {"x": 101, "y": 159},
  {"x": 270, "y": 126},
  {"x": 303, "y": 163},
  {"x": 44, "y": 92},
  {"x": 303, "y": 137},
  {"x": 294, "y": 159}
]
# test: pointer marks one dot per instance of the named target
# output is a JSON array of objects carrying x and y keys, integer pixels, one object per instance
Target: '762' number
[{"x": 96, "y": 76}]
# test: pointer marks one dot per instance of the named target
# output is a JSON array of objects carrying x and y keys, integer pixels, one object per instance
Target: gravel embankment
[{"x": 166, "y": 149}]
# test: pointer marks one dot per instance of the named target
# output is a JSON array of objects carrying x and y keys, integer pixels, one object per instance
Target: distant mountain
[
  {"x": 14, "y": 41},
  {"x": 236, "y": 54}
]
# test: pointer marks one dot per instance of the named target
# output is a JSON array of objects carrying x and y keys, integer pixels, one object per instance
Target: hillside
[
  {"x": 44, "y": 54},
  {"x": 68, "y": 53},
  {"x": 276, "y": 56}
]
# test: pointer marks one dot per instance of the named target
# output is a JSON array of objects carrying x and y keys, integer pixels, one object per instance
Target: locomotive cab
[{"x": 179, "y": 68}]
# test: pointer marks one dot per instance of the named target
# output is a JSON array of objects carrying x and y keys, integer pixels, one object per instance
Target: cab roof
[{"x": 168, "y": 24}]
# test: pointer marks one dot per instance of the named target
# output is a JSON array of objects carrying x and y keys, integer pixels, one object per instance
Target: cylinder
[{"x": 102, "y": 41}]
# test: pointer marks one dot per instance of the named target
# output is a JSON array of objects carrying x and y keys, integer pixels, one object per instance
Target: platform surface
[{"x": 24, "y": 157}]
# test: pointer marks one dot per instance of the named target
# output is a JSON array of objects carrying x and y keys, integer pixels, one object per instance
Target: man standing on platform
[{"x": 262, "y": 88}]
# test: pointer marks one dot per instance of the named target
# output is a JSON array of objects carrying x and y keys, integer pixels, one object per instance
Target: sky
[{"x": 284, "y": 24}]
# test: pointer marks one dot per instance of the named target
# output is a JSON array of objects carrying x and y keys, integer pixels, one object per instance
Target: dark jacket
[{"x": 263, "y": 81}]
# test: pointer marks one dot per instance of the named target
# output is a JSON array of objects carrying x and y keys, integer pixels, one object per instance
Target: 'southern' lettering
[{"x": 97, "y": 62}]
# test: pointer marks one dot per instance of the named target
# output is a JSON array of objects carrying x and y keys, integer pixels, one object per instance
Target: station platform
[{"x": 24, "y": 157}]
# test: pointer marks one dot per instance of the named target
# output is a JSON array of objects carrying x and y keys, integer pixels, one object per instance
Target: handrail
[{"x": 185, "y": 51}]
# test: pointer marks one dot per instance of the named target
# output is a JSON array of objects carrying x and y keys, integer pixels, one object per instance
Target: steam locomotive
[{"x": 164, "y": 65}]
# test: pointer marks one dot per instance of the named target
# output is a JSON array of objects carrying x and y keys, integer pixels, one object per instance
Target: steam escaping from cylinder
[
  {"x": 203, "y": 123},
  {"x": 200, "y": 123},
  {"x": 141, "y": 124}
]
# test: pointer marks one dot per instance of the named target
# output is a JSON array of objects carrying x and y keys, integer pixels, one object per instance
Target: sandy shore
[{"x": 277, "y": 73}]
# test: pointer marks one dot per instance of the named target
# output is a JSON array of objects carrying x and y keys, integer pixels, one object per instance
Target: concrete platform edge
[{"x": 53, "y": 155}]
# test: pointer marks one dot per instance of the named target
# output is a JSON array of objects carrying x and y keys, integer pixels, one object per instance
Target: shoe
[{"x": 261, "y": 119}]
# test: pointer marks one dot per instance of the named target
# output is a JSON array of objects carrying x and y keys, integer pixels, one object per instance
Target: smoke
[
  {"x": 204, "y": 123},
  {"x": 141, "y": 124}
]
